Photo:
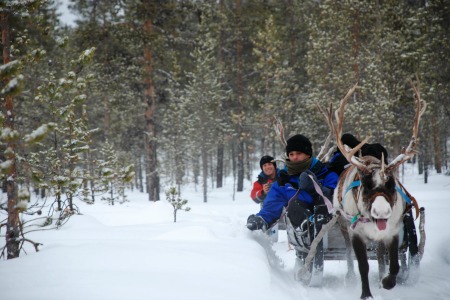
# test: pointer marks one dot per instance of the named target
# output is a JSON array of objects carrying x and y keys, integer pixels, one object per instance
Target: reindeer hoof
[
  {"x": 350, "y": 279},
  {"x": 366, "y": 296},
  {"x": 389, "y": 281}
]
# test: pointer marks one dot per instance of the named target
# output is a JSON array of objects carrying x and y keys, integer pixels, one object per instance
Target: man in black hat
[
  {"x": 268, "y": 175},
  {"x": 294, "y": 188}
]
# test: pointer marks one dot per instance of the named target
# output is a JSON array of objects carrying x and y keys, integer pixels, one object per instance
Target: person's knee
[{"x": 297, "y": 212}]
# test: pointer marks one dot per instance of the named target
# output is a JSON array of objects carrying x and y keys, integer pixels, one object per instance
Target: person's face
[
  {"x": 296, "y": 156},
  {"x": 268, "y": 169}
]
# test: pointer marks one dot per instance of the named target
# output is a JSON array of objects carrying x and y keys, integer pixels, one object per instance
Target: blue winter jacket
[{"x": 279, "y": 196}]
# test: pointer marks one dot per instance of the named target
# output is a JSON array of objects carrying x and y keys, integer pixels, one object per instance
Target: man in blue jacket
[{"x": 294, "y": 188}]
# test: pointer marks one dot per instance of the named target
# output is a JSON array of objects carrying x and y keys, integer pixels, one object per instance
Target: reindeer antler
[
  {"x": 337, "y": 131},
  {"x": 279, "y": 130},
  {"x": 328, "y": 114},
  {"x": 410, "y": 151},
  {"x": 339, "y": 115}
]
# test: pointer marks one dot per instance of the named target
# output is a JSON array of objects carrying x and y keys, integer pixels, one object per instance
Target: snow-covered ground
[{"x": 135, "y": 251}]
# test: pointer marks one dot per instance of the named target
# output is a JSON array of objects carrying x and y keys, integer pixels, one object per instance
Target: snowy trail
[{"x": 135, "y": 251}]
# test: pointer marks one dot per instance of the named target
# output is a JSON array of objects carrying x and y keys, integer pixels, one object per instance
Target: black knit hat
[
  {"x": 375, "y": 150},
  {"x": 299, "y": 143},
  {"x": 267, "y": 159},
  {"x": 350, "y": 140}
]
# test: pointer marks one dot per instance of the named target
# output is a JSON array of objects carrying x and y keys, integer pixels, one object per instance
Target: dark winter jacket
[
  {"x": 285, "y": 188},
  {"x": 337, "y": 163},
  {"x": 257, "y": 194}
]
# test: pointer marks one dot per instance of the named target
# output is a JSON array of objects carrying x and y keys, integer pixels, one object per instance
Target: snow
[
  {"x": 7, "y": 164},
  {"x": 134, "y": 250},
  {"x": 39, "y": 133},
  {"x": 11, "y": 86}
]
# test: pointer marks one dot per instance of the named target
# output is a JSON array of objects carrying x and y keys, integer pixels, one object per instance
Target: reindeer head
[{"x": 378, "y": 195}]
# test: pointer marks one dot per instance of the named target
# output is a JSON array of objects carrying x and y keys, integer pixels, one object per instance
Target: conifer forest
[{"x": 147, "y": 94}]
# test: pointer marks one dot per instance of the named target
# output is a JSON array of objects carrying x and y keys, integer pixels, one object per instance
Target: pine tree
[
  {"x": 115, "y": 176},
  {"x": 204, "y": 90},
  {"x": 71, "y": 138},
  {"x": 275, "y": 87},
  {"x": 174, "y": 198},
  {"x": 360, "y": 43},
  {"x": 18, "y": 54}
]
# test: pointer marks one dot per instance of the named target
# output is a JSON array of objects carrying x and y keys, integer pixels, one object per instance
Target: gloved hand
[
  {"x": 306, "y": 183},
  {"x": 256, "y": 222}
]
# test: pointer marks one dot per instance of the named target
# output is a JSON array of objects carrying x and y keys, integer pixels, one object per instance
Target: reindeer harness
[
  {"x": 354, "y": 220},
  {"x": 407, "y": 197}
]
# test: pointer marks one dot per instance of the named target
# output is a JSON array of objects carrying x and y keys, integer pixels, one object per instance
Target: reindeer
[{"x": 375, "y": 207}]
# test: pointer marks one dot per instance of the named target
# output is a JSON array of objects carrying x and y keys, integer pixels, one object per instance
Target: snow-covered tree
[{"x": 115, "y": 176}]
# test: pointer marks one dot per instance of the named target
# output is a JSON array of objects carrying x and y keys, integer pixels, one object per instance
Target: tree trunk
[
  {"x": 247, "y": 160},
  {"x": 240, "y": 167},
  {"x": 426, "y": 163},
  {"x": 91, "y": 174},
  {"x": 420, "y": 164},
  {"x": 196, "y": 170},
  {"x": 219, "y": 172},
  {"x": 71, "y": 167},
  {"x": 205, "y": 173},
  {"x": 139, "y": 177},
  {"x": 106, "y": 118},
  {"x": 240, "y": 92},
  {"x": 437, "y": 146},
  {"x": 179, "y": 167},
  {"x": 12, "y": 225},
  {"x": 220, "y": 146},
  {"x": 211, "y": 168},
  {"x": 425, "y": 176},
  {"x": 234, "y": 168},
  {"x": 150, "y": 128}
]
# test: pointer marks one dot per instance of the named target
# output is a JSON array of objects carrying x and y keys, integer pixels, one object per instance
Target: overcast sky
[{"x": 66, "y": 16}]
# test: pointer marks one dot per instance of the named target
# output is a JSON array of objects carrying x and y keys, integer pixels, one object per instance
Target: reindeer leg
[
  {"x": 390, "y": 280},
  {"x": 381, "y": 257},
  {"x": 360, "y": 249},
  {"x": 350, "y": 276}
]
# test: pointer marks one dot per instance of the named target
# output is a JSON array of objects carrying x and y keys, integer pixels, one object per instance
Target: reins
[
  {"x": 408, "y": 198},
  {"x": 341, "y": 182},
  {"x": 328, "y": 203}
]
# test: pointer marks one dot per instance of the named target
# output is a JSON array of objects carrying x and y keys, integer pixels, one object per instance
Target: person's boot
[{"x": 321, "y": 214}]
